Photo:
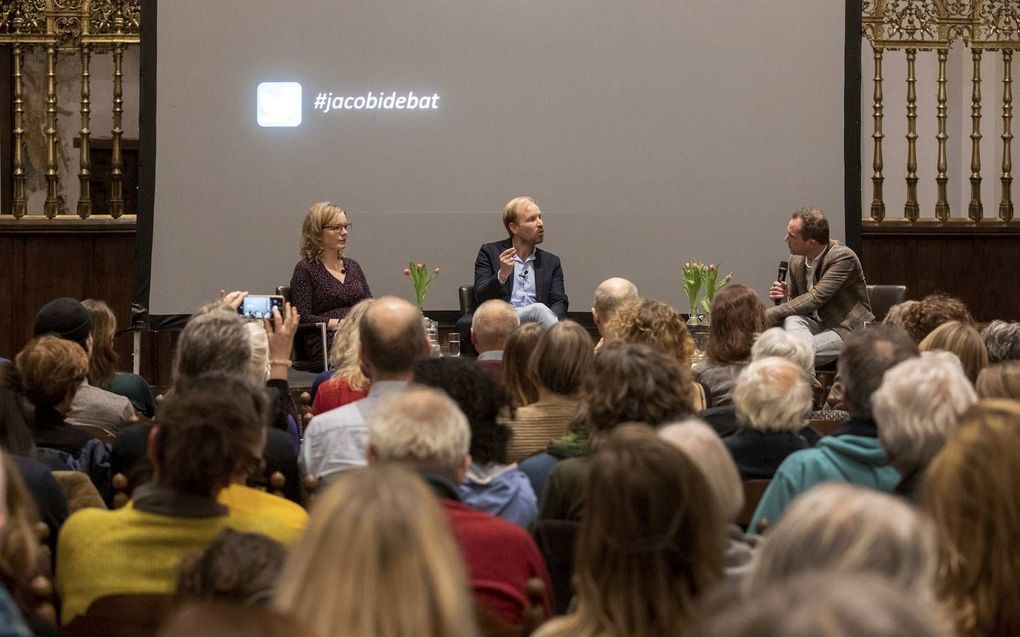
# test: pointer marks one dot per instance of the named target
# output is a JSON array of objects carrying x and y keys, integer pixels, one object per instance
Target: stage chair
[
  {"x": 301, "y": 360},
  {"x": 466, "y": 295},
  {"x": 883, "y": 297}
]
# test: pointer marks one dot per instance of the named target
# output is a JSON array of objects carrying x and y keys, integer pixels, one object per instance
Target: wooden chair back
[
  {"x": 138, "y": 615},
  {"x": 753, "y": 490}
]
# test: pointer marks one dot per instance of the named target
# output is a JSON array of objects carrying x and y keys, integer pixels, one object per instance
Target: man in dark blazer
[
  {"x": 827, "y": 296},
  {"x": 518, "y": 272}
]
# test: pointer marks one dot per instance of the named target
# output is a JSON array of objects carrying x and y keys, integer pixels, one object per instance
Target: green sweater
[{"x": 128, "y": 551}]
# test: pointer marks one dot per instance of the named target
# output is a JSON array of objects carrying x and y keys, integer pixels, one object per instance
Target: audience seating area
[{"x": 640, "y": 476}]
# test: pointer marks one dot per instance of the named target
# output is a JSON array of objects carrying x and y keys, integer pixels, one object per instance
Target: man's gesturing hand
[{"x": 506, "y": 263}]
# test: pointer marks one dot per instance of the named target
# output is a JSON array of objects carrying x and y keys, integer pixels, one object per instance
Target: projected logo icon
[{"x": 278, "y": 104}]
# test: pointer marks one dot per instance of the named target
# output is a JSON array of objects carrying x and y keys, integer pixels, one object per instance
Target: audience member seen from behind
[
  {"x": 853, "y": 453},
  {"x": 325, "y": 284},
  {"x": 392, "y": 340},
  {"x": 516, "y": 357},
  {"x": 845, "y": 529},
  {"x": 706, "y": 450},
  {"x": 897, "y": 315},
  {"x": 1000, "y": 381},
  {"x": 347, "y": 382},
  {"x": 917, "y": 407},
  {"x": 629, "y": 383},
  {"x": 19, "y": 557},
  {"x": 971, "y": 492},
  {"x": 650, "y": 543},
  {"x": 16, "y": 439},
  {"x": 206, "y": 435},
  {"x": 559, "y": 365},
  {"x": 491, "y": 326},
  {"x": 773, "y": 400},
  {"x": 659, "y": 326},
  {"x": 68, "y": 319},
  {"x": 52, "y": 370},
  {"x": 424, "y": 429},
  {"x": 378, "y": 560},
  {"x": 826, "y": 604},
  {"x": 921, "y": 318},
  {"x": 208, "y": 619},
  {"x": 491, "y": 483},
  {"x": 609, "y": 295},
  {"x": 737, "y": 317},
  {"x": 236, "y": 567},
  {"x": 216, "y": 340},
  {"x": 962, "y": 340},
  {"x": 103, "y": 361},
  {"x": 1002, "y": 340}
]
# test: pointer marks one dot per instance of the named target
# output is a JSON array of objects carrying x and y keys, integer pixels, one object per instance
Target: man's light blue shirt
[
  {"x": 524, "y": 293},
  {"x": 335, "y": 440}
]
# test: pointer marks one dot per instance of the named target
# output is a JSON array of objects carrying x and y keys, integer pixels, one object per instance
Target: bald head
[
  {"x": 492, "y": 324},
  {"x": 608, "y": 296},
  {"x": 392, "y": 337}
]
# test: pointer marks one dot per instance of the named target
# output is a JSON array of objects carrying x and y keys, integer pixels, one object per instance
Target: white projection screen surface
[{"x": 649, "y": 132}]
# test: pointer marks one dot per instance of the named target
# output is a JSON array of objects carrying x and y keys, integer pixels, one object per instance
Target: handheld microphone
[{"x": 784, "y": 267}]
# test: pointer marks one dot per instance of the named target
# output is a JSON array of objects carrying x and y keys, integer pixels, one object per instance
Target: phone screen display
[{"x": 260, "y": 306}]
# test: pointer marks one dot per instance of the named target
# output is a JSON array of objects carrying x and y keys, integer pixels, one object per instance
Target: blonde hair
[
  {"x": 970, "y": 491},
  {"x": 345, "y": 354},
  {"x": 378, "y": 560},
  {"x": 513, "y": 208},
  {"x": 842, "y": 528},
  {"x": 705, "y": 448},
  {"x": 652, "y": 323},
  {"x": 963, "y": 340},
  {"x": 319, "y": 215}
]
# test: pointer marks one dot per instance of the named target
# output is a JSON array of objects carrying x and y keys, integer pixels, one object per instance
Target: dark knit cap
[{"x": 64, "y": 317}]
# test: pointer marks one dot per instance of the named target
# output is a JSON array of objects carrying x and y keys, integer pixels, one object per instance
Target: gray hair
[
  {"x": 772, "y": 394},
  {"x": 493, "y": 322},
  {"x": 706, "y": 450},
  {"x": 918, "y": 405},
  {"x": 423, "y": 427},
  {"x": 213, "y": 341},
  {"x": 1002, "y": 340},
  {"x": 776, "y": 341},
  {"x": 843, "y": 529}
]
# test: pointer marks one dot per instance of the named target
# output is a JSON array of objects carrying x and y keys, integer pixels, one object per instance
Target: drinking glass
[{"x": 453, "y": 344}]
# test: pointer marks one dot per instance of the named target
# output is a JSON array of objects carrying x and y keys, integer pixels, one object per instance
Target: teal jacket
[{"x": 853, "y": 454}]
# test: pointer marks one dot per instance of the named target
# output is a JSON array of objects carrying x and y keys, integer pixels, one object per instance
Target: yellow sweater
[
  {"x": 246, "y": 503},
  {"x": 128, "y": 551}
]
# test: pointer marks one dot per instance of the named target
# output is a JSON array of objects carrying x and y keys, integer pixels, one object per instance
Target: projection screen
[{"x": 650, "y": 133}]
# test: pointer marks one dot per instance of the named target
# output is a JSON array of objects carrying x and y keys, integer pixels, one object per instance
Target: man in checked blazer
[{"x": 827, "y": 297}]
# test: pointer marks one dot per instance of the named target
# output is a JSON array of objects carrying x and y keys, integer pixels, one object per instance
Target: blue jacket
[
  {"x": 853, "y": 454},
  {"x": 548, "y": 278},
  {"x": 500, "y": 490}
]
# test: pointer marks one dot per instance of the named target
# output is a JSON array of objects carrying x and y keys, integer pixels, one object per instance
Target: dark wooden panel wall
[
  {"x": 981, "y": 268},
  {"x": 43, "y": 260}
]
